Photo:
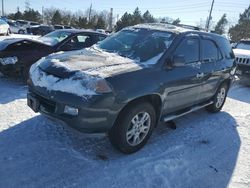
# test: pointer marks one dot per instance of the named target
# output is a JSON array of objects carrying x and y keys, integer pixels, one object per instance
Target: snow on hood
[
  {"x": 95, "y": 62},
  {"x": 89, "y": 66},
  {"x": 242, "y": 53}
]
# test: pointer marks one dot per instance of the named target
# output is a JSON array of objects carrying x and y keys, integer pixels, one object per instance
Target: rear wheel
[
  {"x": 133, "y": 128},
  {"x": 219, "y": 99},
  {"x": 25, "y": 74}
]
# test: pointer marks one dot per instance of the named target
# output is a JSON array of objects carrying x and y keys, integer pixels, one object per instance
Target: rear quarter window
[
  {"x": 225, "y": 48},
  {"x": 210, "y": 51}
]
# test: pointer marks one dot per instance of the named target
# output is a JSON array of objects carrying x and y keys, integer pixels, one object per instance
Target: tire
[
  {"x": 25, "y": 74},
  {"x": 127, "y": 134},
  {"x": 8, "y": 32},
  {"x": 21, "y": 32},
  {"x": 218, "y": 99}
]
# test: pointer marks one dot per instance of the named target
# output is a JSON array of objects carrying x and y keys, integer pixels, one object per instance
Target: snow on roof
[{"x": 162, "y": 27}]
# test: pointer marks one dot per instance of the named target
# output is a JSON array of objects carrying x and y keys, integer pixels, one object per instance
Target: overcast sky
[{"x": 189, "y": 12}]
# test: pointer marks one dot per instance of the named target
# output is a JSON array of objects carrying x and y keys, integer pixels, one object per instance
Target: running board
[{"x": 171, "y": 117}]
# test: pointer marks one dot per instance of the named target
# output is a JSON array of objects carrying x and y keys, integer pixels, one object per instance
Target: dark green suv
[{"x": 132, "y": 80}]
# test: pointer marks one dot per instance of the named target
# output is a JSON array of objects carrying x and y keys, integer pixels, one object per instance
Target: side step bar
[{"x": 171, "y": 117}]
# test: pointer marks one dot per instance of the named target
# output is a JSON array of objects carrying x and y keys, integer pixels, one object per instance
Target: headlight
[
  {"x": 8, "y": 60},
  {"x": 99, "y": 86},
  {"x": 102, "y": 87}
]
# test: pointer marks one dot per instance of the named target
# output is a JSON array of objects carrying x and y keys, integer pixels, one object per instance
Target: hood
[
  {"x": 242, "y": 53},
  {"x": 91, "y": 61},
  {"x": 6, "y": 42},
  {"x": 81, "y": 72}
]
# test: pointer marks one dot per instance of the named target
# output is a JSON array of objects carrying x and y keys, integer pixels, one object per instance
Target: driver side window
[
  {"x": 78, "y": 42},
  {"x": 189, "y": 49}
]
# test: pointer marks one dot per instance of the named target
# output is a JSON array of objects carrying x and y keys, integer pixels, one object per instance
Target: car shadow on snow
[
  {"x": 201, "y": 152},
  {"x": 11, "y": 89},
  {"x": 240, "y": 93}
]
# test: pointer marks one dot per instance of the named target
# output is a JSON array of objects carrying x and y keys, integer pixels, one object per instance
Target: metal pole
[
  {"x": 90, "y": 10},
  {"x": 2, "y": 8},
  {"x": 111, "y": 20},
  {"x": 209, "y": 17},
  {"x": 43, "y": 14}
]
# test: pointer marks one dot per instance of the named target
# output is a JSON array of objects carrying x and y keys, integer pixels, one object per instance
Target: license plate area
[
  {"x": 33, "y": 103},
  {"x": 238, "y": 72}
]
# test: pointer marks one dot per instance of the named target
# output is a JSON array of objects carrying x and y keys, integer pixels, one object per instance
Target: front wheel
[
  {"x": 219, "y": 99},
  {"x": 21, "y": 31},
  {"x": 133, "y": 127},
  {"x": 8, "y": 32}
]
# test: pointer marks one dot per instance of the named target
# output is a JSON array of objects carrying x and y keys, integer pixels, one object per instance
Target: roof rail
[{"x": 191, "y": 27}]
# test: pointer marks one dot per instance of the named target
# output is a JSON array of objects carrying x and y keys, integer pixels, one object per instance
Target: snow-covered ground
[{"x": 206, "y": 150}]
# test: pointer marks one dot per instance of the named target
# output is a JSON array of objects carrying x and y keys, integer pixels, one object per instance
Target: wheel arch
[{"x": 154, "y": 99}]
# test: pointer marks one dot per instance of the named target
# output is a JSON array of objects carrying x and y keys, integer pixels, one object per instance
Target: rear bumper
[{"x": 95, "y": 115}]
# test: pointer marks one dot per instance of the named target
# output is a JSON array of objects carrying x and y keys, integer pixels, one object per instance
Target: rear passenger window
[
  {"x": 210, "y": 51},
  {"x": 189, "y": 48}
]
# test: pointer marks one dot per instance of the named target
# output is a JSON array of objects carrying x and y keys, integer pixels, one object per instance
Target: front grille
[
  {"x": 49, "y": 105},
  {"x": 245, "y": 61}
]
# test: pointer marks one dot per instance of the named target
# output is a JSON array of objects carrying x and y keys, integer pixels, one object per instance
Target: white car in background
[
  {"x": 242, "y": 56},
  {"x": 4, "y": 28},
  {"x": 27, "y": 24},
  {"x": 16, "y": 28}
]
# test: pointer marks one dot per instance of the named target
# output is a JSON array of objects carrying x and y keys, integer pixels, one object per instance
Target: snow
[
  {"x": 33, "y": 37},
  {"x": 51, "y": 83},
  {"x": 91, "y": 65},
  {"x": 206, "y": 150},
  {"x": 161, "y": 27}
]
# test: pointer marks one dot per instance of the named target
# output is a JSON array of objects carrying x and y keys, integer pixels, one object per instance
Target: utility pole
[
  {"x": 2, "y": 8},
  {"x": 111, "y": 20},
  {"x": 210, "y": 16},
  {"x": 90, "y": 10},
  {"x": 43, "y": 14}
]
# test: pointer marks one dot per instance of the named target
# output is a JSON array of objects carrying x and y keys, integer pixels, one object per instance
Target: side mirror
[
  {"x": 66, "y": 47},
  {"x": 178, "y": 61}
]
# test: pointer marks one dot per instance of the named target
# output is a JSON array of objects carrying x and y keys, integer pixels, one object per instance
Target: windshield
[
  {"x": 243, "y": 45},
  {"x": 55, "y": 37},
  {"x": 138, "y": 44}
]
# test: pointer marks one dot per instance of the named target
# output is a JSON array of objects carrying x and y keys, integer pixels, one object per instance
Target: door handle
[{"x": 200, "y": 75}]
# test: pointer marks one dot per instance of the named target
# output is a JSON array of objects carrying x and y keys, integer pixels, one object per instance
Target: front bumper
[
  {"x": 243, "y": 71},
  {"x": 95, "y": 114}
]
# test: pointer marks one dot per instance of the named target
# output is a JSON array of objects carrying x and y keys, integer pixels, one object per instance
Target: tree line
[
  {"x": 89, "y": 19},
  {"x": 53, "y": 16},
  {"x": 92, "y": 19}
]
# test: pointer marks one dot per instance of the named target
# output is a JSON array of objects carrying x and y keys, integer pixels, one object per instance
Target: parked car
[
  {"x": 101, "y": 30},
  {"x": 27, "y": 24},
  {"x": 68, "y": 27},
  {"x": 15, "y": 28},
  {"x": 242, "y": 53},
  {"x": 17, "y": 55},
  {"x": 40, "y": 30},
  {"x": 4, "y": 28},
  {"x": 133, "y": 79},
  {"x": 56, "y": 27}
]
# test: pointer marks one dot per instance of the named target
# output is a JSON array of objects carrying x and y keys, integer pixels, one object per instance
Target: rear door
[
  {"x": 210, "y": 57},
  {"x": 183, "y": 83}
]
